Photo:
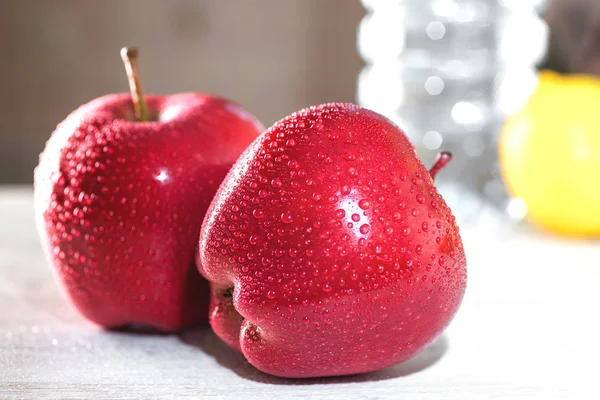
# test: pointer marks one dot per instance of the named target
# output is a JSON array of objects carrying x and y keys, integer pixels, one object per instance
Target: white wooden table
[{"x": 529, "y": 328}]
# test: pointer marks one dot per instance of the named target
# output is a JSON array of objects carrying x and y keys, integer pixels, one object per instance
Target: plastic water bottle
[{"x": 449, "y": 72}]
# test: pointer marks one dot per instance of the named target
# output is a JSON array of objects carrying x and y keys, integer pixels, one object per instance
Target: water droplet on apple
[
  {"x": 364, "y": 204},
  {"x": 276, "y": 183},
  {"x": 349, "y": 156},
  {"x": 287, "y": 217},
  {"x": 258, "y": 214}
]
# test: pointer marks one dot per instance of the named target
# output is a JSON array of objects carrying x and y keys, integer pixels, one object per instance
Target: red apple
[
  {"x": 329, "y": 250},
  {"x": 120, "y": 193}
]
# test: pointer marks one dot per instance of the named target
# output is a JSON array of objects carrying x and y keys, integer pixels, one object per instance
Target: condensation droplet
[
  {"x": 258, "y": 214},
  {"x": 364, "y": 204},
  {"x": 276, "y": 183},
  {"x": 287, "y": 217}
]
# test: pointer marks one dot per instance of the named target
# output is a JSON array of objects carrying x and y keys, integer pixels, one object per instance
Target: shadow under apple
[{"x": 204, "y": 339}]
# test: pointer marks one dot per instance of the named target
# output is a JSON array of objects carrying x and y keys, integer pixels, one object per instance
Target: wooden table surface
[{"x": 529, "y": 328}]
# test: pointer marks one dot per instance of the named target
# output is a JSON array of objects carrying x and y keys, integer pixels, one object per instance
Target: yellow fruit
[{"x": 550, "y": 154}]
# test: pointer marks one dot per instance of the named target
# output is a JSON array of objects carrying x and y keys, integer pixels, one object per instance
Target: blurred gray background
[{"x": 272, "y": 56}]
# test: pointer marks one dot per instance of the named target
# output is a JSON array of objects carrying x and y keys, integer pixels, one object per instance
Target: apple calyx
[
  {"x": 443, "y": 158},
  {"x": 228, "y": 292},
  {"x": 130, "y": 56}
]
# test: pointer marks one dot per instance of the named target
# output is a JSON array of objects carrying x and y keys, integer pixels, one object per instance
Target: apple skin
[
  {"x": 329, "y": 250},
  {"x": 119, "y": 204}
]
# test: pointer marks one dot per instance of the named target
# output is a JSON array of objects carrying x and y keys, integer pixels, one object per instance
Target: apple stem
[
  {"x": 443, "y": 158},
  {"x": 130, "y": 58}
]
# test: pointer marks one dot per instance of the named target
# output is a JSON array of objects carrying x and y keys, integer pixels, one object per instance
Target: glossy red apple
[
  {"x": 328, "y": 248},
  {"x": 120, "y": 193}
]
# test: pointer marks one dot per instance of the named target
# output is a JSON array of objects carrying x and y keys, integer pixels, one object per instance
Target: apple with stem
[
  {"x": 329, "y": 250},
  {"x": 121, "y": 190}
]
